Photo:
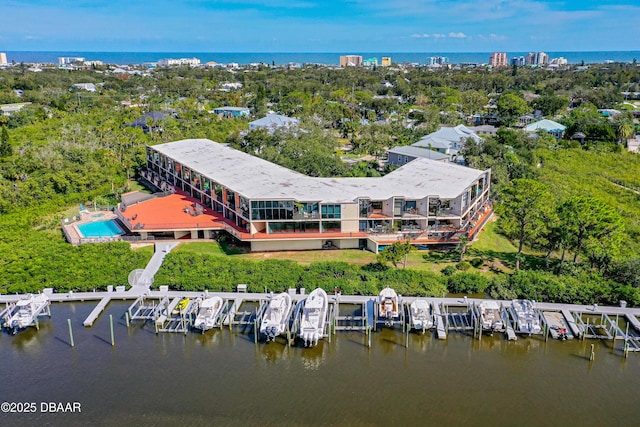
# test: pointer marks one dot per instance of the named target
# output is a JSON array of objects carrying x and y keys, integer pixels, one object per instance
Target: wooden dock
[
  {"x": 573, "y": 326},
  {"x": 555, "y": 321},
  {"x": 584, "y": 321},
  {"x": 440, "y": 321},
  {"x": 93, "y": 316}
]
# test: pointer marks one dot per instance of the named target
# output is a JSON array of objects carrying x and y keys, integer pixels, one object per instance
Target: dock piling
[
  {"x": 626, "y": 349},
  {"x": 255, "y": 327},
  {"x": 592, "y": 356},
  {"x": 126, "y": 318},
  {"x": 113, "y": 343},
  {"x": 406, "y": 338},
  {"x": 70, "y": 333}
]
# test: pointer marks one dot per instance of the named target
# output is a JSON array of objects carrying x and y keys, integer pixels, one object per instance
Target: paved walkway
[{"x": 146, "y": 278}]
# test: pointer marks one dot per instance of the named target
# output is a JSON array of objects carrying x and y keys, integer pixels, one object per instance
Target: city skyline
[{"x": 314, "y": 26}]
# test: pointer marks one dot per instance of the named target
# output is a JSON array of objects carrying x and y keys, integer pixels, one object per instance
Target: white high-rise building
[
  {"x": 3, "y": 58},
  {"x": 537, "y": 58},
  {"x": 436, "y": 61},
  {"x": 168, "y": 62},
  {"x": 69, "y": 60}
]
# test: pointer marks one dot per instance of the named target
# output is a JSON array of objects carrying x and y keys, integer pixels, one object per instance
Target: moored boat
[
  {"x": 275, "y": 317},
  {"x": 420, "y": 315},
  {"x": 490, "y": 316},
  {"x": 526, "y": 317},
  {"x": 208, "y": 312},
  {"x": 23, "y": 313},
  {"x": 182, "y": 306},
  {"x": 314, "y": 315},
  {"x": 388, "y": 306}
]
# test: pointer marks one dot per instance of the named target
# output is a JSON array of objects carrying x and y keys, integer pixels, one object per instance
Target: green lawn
[
  {"x": 497, "y": 251},
  {"x": 490, "y": 240},
  {"x": 209, "y": 248}
]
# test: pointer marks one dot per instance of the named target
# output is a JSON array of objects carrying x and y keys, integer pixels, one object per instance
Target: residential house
[
  {"x": 483, "y": 129},
  {"x": 150, "y": 122},
  {"x": 549, "y": 126},
  {"x": 231, "y": 111},
  {"x": 273, "y": 122},
  {"x": 448, "y": 140},
  {"x": 90, "y": 87},
  {"x": 402, "y": 155},
  {"x": 9, "y": 109}
]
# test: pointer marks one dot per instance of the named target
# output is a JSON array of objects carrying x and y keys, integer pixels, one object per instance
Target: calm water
[
  {"x": 108, "y": 228},
  {"x": 222, "y": 378},
  {"x": 329, "y": 58}
]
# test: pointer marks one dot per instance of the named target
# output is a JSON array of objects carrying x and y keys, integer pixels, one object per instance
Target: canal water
[{"x": 222, "y": 378}]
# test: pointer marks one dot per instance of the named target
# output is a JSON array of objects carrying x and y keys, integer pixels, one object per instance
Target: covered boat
[
  {"x": 526, "y": 317},
  {"x": 275, "y": 317},
  {"x": 490, "y": 316},
  {"x": 314, "y": 315},
  {"x": 208, "y": 312},
  {"x": 421, "y": 316},
  {"x": 388, "y": 307}
]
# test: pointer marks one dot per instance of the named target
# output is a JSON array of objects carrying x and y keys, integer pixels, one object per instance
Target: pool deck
[{"x": 74, "y": 236}]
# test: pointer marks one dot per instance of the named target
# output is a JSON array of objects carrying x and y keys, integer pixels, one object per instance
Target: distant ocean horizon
[{"x": 327, "y": 58}]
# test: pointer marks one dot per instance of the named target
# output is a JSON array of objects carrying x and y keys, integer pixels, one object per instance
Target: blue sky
[{"x": 319, "y": 26}]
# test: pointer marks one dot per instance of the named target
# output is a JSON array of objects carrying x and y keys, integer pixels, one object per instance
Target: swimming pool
[{"x": 107, "y": 228}]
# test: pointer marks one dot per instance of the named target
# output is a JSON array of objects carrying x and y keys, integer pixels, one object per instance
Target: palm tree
[{"x": 624, "y": 130}]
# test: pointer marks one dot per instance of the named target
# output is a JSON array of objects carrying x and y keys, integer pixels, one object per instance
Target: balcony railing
[{"x": 306, "y": 215}]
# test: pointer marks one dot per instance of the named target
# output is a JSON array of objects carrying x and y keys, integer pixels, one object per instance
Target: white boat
[
  {"x": 421, "y": 316},
  {"x": 275, "y": 317},
  {"x": 490, "y": 316},
  {"x": 528, "y": 322},
  {"x": 314, "y": 315},
  {"x": 208, "y": 312},
  {"x": 23, "y": 313},
  {"x": 388, "y": 307}
]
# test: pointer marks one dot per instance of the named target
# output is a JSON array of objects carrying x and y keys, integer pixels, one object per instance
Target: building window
[
  {"x": 294, "y": 227},
  {"x": 244, "y": 207},
  {"x": 330, "y": 211},
  {"x": 271, "y": 209},
  {"x": 331, "y": 227}
]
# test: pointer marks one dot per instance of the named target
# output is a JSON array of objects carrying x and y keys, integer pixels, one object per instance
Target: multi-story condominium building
[
  {"x": 3, "y": 58},
  {"x": 370, "y": 62},
  {"x": 274, "y": 208},
  {"x": 559, "y": 61},
  {"x": 169, "y": 62},
  {"x": 498, "y": 59},
  {"x": 70, "y": 60},
  {"x": 434, "y": 61},
  {"x": 386, "y": 61},
  {"x": 350, "y": 61},
  {"x": 519, "y": 61},
  {"x": 537, "y": 58}
]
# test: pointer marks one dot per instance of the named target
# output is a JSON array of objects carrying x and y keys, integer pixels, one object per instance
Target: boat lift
[
  {"x": 459, "y": 320},
  {"x": 142, "y": 309},
  {"x": 25, "y": 312},
  {"x": 390, "y": 322},
  {"x": 180, "y": 322}
]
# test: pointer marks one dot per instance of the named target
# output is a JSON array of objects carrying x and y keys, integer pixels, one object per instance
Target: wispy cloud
[
  {"x": 458, "y": 35},
  {"x": 451, "y": 35}
]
